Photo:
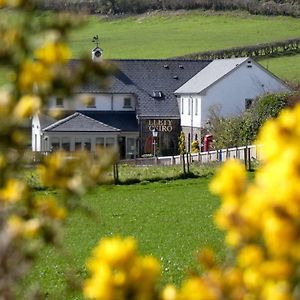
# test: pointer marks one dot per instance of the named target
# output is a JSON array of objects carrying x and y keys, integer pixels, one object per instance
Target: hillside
[{"x": 164, "y": 35}]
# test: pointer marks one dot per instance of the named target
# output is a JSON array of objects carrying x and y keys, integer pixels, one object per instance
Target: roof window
[{"x": 157, "y": 94}]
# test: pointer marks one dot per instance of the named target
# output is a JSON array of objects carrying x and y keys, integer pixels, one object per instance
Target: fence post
[
  {"x": 188, "y": 163},
  {"x": 245, "y": 157},
  {"x": 183, "y": 164},
  {"x": 249, "y": 159}
]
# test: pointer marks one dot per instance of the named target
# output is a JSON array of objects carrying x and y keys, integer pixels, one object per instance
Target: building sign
[{"x": 160, "y": 125}]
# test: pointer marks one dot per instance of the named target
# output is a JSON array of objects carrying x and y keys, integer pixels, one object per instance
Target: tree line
[{"x": 264, "y": 7}]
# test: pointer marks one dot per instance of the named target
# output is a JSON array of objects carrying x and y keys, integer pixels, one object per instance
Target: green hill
[
  {"x": 165, "y": 35},
  {"x": 171, "y": 34}
]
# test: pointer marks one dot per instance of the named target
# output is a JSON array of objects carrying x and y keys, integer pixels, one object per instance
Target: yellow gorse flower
[
  {"x": 13, "y": 191},
  {"x": 117, "y": 270},
  {"x": 34, "y": 75},
  {"x": 53, "y": 53},
  {"x": 27, "y": 106}
]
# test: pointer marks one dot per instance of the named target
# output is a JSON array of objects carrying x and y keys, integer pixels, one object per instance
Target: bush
[{"x": 242, "y": 130}]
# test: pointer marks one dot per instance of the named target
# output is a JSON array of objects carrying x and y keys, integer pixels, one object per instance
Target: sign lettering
[{"x": 160, "y": 125}]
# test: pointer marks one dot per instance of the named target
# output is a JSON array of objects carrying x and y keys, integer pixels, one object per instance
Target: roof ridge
[
  {"x": 106, "y": 125},
  {"x": 59, "y": 122}
]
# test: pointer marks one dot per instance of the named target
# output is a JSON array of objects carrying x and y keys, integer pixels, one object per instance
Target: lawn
[{"x": 170, "y": 220}]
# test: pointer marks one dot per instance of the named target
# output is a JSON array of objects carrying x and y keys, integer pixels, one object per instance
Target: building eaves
[{"x": 209, "y": 75}]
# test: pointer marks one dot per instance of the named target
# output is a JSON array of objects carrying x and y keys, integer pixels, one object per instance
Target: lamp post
[{"x": 154, "y": 136}]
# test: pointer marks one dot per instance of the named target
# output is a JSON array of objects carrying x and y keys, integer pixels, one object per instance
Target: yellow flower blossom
[
  {"x": 25, "y": 228},
  {"x": 49, "y": 207},
  {"x": 27, "y": 106},
  {"x": 169, "y": 293},
  {"x": 34, "y": 76},
  {"x": 13, "y": 191},
  {"x": 230, "y": 180},
  {"x": 276, "y": 291},
  {"x": 196, "y": 288},
  {"x": 251, "y": 255},
  {"x": 116, "y": 270},
  {"x": 53, "y": 53}
]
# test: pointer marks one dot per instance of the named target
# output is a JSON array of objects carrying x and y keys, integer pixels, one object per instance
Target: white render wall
[
  {"x": 36, "y": 134},
  {"x": 103, "y": 102},
  {"x": 190, "y": 110},
  {"x": 232, "y": 90},
  {"x": 229, "y": 93}
]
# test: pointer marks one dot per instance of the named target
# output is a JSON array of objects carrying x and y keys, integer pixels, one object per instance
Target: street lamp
[{"x": 154, "y": 136}]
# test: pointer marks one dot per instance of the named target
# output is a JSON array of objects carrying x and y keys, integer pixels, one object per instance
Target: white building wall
[
  {"x": 103, "y": 102},
  {"x": 190, "y": 110},
  {"x": 231, "y": 91},
  {"x": 36, "y": 134}
]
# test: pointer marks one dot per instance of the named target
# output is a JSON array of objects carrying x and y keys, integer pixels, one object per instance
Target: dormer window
[
  {"x": 157, "y": 94},
  {"x": 59, "y": 101},
  {"x": 127, "y": 103}
]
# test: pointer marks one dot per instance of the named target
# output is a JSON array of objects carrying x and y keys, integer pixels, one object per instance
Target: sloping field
[{"x": 167, "y": 35}]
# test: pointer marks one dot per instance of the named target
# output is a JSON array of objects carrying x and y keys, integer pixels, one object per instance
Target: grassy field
[
  {"x": 170, "y": 220},
  {"x": 287, "y": 68},
  {"x": 166, "y": 35},
  {"x": 169, "y": 35}
]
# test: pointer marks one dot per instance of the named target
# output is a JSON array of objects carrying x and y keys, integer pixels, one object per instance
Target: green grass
[
  {"x": 169, "y": 35},
  {"x": 287, "y": 68},
  {"x": 170, "y": 220},
  {"x": 166, "y": 35}
]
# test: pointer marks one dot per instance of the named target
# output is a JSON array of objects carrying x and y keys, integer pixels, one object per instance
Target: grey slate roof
[
  {"x": 143, "y": 76},
  {"x": 126, "y": 121},
  {"x": 46, "y": 120},
  {"x": 78, "y": 122},
  {"x": 210, "y": 74}
]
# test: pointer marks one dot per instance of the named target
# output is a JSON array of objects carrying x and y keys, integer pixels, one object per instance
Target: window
[
  {"x": 196, "y": 106},
  {"x": 91, "y": 102},
  {"x": 59, "y": 101},
  {"x": 248, "y": 103},
  {"x": 54, "y": 144},
  {"x": 182, "y": 106},
  {"x": 87, "y": 145},
  {"x": 78, "y": 144},
  {"x": 189, "y": 106},
  {"x": 127, "y": 103},
  {"x": 65, "y": 143},
  {"x": 110, "y": 142},
  {"x": 100, "y": 142}
]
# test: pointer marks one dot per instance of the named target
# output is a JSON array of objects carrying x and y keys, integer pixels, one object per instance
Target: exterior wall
[
  {"x": 103, "y": 102},
  {"x": 166, "y": 142},
  {"x": 125, "y": 142},
  {"x": 190, "y": 110},
  {"x": 36, "y": 134},
  {"x": 231, "y": 92}
]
